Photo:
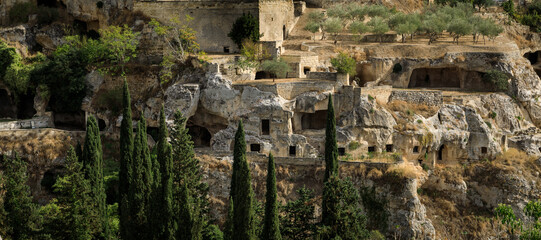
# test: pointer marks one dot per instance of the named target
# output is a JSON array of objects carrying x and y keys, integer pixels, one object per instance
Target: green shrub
[
  {"x": 353, "y": 145},
  {"x": 496, "y": 78},
  {"x": 8, "y": 55},
  {"x": 111, "y": 100},
  {"x": 20, "y": 11},
  {"x": 245, "y": 27},
  {"x": 492, "y": 115},
  {"x": 343, "y": 63},
  {"x": 488, "y": 124},
  {"x": 278, "y": 67}
]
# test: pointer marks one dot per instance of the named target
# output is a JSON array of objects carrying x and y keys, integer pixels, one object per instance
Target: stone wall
[
  {"x": 5, "y": 6},
  {"x": 430, "y": 98},
  {"x": 276, "y": 19},
  {"x": 329, "y": 76},
  {"x": 380, "y": 93},
  {"x": 38, "y": 122},
  {"x": 299, "y": 63},
  {"x": 212, "y": 20}
]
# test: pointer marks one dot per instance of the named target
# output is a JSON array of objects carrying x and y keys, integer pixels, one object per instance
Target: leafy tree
[
  {"x": 126, "y": 176},
  {"x": 245, "y": 27},
  {"x": 344, "y": 216},
  {"x": 433, "y": 25},
  {"x": 358, "y": 27},
  {"x": 497, "y": 78},
  {"x": 379, "y": 27},
  {"x": 459, "y": 28},
  {"x": 297, "y": 218},
  {"x": 181, "y": 40},
  {"x": 507, "y": 217},
  {"x": 316, "y": 16},
  {"x": 189, "y": 228},
  {"x": 509, "y": 7},
  {"x": 122, "y": 44},
  {"x": 252, "y": 54},
  {"x": 488, "y": 28},
  {"x": 313, "y": 27},
  {"x": 187, "y": 173},
  {"x": 482, "y": 3},
  {"x": 278, "y": 67},
  {"x": 377, "y": 11},
  {"x": 332, "y": 25},
  {"x": 93, "y": 168},
  {"x": 241, "y": 191},
  {"x": 271, "y": 228},
  {"x": 344, "y": 63},
  {"x": 337, "y": 11},
  {"x": 19, "y": 215},
  {"x": 406, "y": 28},
  {"x": 228, "y": 226}
]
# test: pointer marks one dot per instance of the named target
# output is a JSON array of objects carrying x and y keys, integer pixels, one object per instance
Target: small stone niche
[
  {"x": 389, "y": 148},
  {"x": 372, "y": 149},
  {"x": 226, "y": 49},
  {"x": 341, "y": 151},
  {"x": 416, "y": 149},
  {"x": 255, "y": 147},
  {"x": 292, "y": 151},
  {"x": 484, "y": 150}
]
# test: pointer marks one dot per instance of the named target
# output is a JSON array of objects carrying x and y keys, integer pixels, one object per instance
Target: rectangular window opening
[
  {"x": 292, "y": 151},
  {"x": 484, "y": 150},
  {"x": 254, "y": 147},
  {"x": 372, "y": 149},
  {"x": 341, "y": 151},
  {"x": 389, "y": 148},
  {"x": 265, "y": 127},
  {"x": 226, "y": 49}
]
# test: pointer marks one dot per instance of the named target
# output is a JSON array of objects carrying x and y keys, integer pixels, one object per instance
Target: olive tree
[{"x": 379, "y": 27}]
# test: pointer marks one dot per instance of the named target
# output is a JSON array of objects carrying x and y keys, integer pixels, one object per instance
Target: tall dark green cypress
[
  {"x": 331, "y": 148},
  {"x": 228, "y": 226},
  {"x": 93, "y": 166},
  {"x": 186, "y": 173},
  {"x": 331, "y": 155},
  {"x": 126, "y": 172},
  {"x": 271, "y": 227},
  {"x": 241, "y": 191},
  {"x": 141, "y": 188},
  {"x": 18, "y": 215},
  {"x": 163, "y": 204}
]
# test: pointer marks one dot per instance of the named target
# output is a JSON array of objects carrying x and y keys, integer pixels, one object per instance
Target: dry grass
[
  {"x": 404, "y": 169},
  {"x": 353, "y": 169},
  {"x": 361, "y": 155},
  {"x": 374, "y": 174}
]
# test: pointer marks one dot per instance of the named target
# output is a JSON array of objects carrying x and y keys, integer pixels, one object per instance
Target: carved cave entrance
[
  {"x": 315, "y": 121},
  {"x": 450, "y": 77},
  {"x": 203, "y": 125},
  {"x": 264, "y": 75},
  {"x": 7, "y": 108},
  {"x": 535, "y": 60},
  {"x": 25, "y": 106}
]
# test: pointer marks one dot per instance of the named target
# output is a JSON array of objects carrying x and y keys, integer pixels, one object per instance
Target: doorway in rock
[
  {"x": 7, "y": 107},
  {"x": 535, "y": 60},
  {"x": 25, "y": 106},
  {"x": 316, "y": 120},
  {"x": 200, "y": 136},
  {"x": 440, "y": 152}
]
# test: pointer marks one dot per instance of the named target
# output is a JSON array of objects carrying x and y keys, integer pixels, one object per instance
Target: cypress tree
[
  {"x": 93, "y": 166},
  {"x": 18, "y": 214},
  {"x": 186, "y": 173},
  {"x": 228, "y": 227},
  {"x": 74, "y": 200},
  {"x": 186, "y": 225},
  {"x": 271, "y": 228},
  {"x": 241, "y": 191},
  {"x": 126, "y": 172},
  {"x": 164, "y": 195},
  {"x": 331, "y": 148},
  {"x": 140, "y": 192}
]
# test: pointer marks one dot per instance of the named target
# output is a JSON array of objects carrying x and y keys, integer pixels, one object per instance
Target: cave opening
[
  {"x": 484, "y": 150},
  {"x": 200, "y": 136},
  {"x": 371, "y": 149},
  {"x": 25, "y": 106},
  {"x": 70, "y": 121},
  {"x": 255, "y": 147},
  {"x": 341, "y": 151},
  {"x": 448, "y": 77},
  {"x": 440, "y": 152},
  {"x": 265, "y": 127},
  {"x": 316, "y": 120},
  {"x": 7, "y": 108},
  {"x": 48, "y": 3},
  {"x": 49, "y": 179},
  {"x": 389, "y": 148},
  {"x": 101, "y": 124},
  {"x": 535, "y": 60},
  {"x": 416, "y": 149},
  {"x": 264, "y": 75}
]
